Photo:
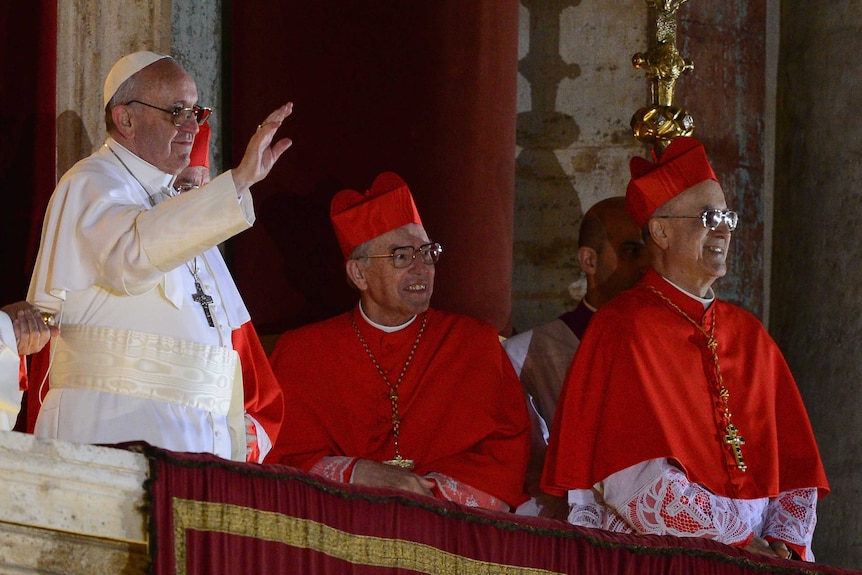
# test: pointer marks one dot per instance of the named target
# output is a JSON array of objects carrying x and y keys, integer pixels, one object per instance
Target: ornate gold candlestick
[{"x": 661, "y": 122}]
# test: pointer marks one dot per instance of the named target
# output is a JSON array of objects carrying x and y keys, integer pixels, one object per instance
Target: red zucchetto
[
  {"x": 682, "y": 165},
  {"x": 358, "y": 217}
]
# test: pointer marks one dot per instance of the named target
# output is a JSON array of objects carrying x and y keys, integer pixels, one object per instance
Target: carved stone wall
[
  {"x": 577, "y": 91},
  {"x": 91, "y": 37}
]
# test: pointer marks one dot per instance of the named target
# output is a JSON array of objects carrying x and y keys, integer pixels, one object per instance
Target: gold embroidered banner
[{"x": 209, "y": 516}]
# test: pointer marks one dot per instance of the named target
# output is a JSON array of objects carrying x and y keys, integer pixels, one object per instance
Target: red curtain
[
  {"x": 423, "y": 88},
  {"x": 210, "y": 516},
  {"x": 27, "y": 135}
]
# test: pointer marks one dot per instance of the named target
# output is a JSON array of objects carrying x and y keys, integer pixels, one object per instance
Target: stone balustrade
[{"x": 70, "y": 509}]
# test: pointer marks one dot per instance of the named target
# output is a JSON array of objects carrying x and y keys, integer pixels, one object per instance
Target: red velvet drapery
[
  {"x": 28, "y": 46},
  {"x": 211, "y": 516},
  {"x": 426, "y": 89}
]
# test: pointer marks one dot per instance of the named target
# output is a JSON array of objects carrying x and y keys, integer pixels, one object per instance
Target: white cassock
[
  {"x": 10, "y": 361},
  {"x": 136, "y": 358}
]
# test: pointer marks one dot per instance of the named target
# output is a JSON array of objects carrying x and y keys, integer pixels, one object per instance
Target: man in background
[{"x": 612, "y": 257}]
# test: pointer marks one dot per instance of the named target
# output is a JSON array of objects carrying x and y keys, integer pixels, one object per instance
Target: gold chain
[
  {"x": 733, "y": 439},
  {"x": 393, "y": 390}
]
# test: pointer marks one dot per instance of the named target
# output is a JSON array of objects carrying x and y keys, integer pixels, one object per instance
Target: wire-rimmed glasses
[
  {"x": 711, "y": 219},
  {"x": 403, "y": 256},
  {"x": 180, "y": 114}
]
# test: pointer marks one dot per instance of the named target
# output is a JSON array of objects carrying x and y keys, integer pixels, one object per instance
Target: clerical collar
[
  {"x": 143, "y": 171},
  {"x": 705, "y": 301},
  {"x": 386, "y": 328}
]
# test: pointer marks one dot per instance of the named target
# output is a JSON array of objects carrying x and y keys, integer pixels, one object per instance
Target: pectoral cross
[
  {"x": 735, "y": 441},
  {"x": 201, "y": 297}
]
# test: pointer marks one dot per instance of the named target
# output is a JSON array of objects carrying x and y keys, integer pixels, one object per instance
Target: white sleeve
[
  {"x": 10, "y": 392},
  {"x": 584, "y": 510},
  {"x": 516, "y": 348},
  {"x": 655, "y": 497},
  {"x": 264, "y": 443},
  {"x": 791, "y": 518}
]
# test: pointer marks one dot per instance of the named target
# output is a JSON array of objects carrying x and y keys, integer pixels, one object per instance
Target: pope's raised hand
[{"x": 261, "y": 154}]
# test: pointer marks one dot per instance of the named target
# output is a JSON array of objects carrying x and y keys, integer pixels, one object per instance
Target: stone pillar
[
  {"x": 91, "y": 37},
  {"x": 577, "y": 92},
  {"x": 816, "y": 293},
  {"x": 196, "y": 42}
]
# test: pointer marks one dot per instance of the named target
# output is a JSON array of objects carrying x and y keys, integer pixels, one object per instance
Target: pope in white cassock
[{"x": 145, "y": 306}]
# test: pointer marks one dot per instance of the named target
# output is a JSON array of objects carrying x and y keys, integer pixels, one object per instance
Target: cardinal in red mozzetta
[
  {"x": 394, "y": 393},
  {"x": 679, "y": 414}
]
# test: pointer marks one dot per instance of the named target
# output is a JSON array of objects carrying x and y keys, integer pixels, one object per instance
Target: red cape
[
  {"x": 462, "y": 409},
  {"x": 263, "y": 399},
  {"x": 638, "y": 389}
]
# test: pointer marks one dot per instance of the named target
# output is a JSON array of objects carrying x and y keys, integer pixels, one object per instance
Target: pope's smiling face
[{"x": 151, "y": 133}]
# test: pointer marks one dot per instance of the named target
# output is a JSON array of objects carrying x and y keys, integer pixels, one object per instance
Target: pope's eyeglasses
[
  {"x": 403, "y": 256},
  {"x": 181, "y": 115},
  {"x": 711, "y": 219}
]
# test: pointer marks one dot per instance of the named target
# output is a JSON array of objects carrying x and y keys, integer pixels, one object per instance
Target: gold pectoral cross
[
  {"x": 400, "y": 462},
  {"x": 735, "y": 441}
]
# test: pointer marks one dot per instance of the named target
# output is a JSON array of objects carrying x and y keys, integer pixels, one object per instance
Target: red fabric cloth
[
  {"x": 32, "y": 400},
  {"x": 22, "y": 372},
  {"x": 211, "y": 516},
  {"x": 200, "y": 155},
  {"x": 640, "y": 386},
  {"x": 28, "y": 135},
  {"x": 263, "y": 399},
  {"x": 462, "y": 410}
]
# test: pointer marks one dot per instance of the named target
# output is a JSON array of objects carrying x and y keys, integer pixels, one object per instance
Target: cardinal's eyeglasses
[{"x": 403, "y": 256}]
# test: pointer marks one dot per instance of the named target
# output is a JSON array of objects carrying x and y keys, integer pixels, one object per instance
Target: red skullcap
[
  {"x": 357, "y": 217},
  {"x": 682, "y": 165},
  {"x": 200, "y": 155}
]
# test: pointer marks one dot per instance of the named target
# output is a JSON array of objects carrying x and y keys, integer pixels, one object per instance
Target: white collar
[
  {"x": 386, "y": 328},
  {"x": 705, "y": 301},
  {"x": 143, "y": 171}
]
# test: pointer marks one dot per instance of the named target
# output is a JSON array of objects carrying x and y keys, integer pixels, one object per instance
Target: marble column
[{"x": 817, "y": 279}]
